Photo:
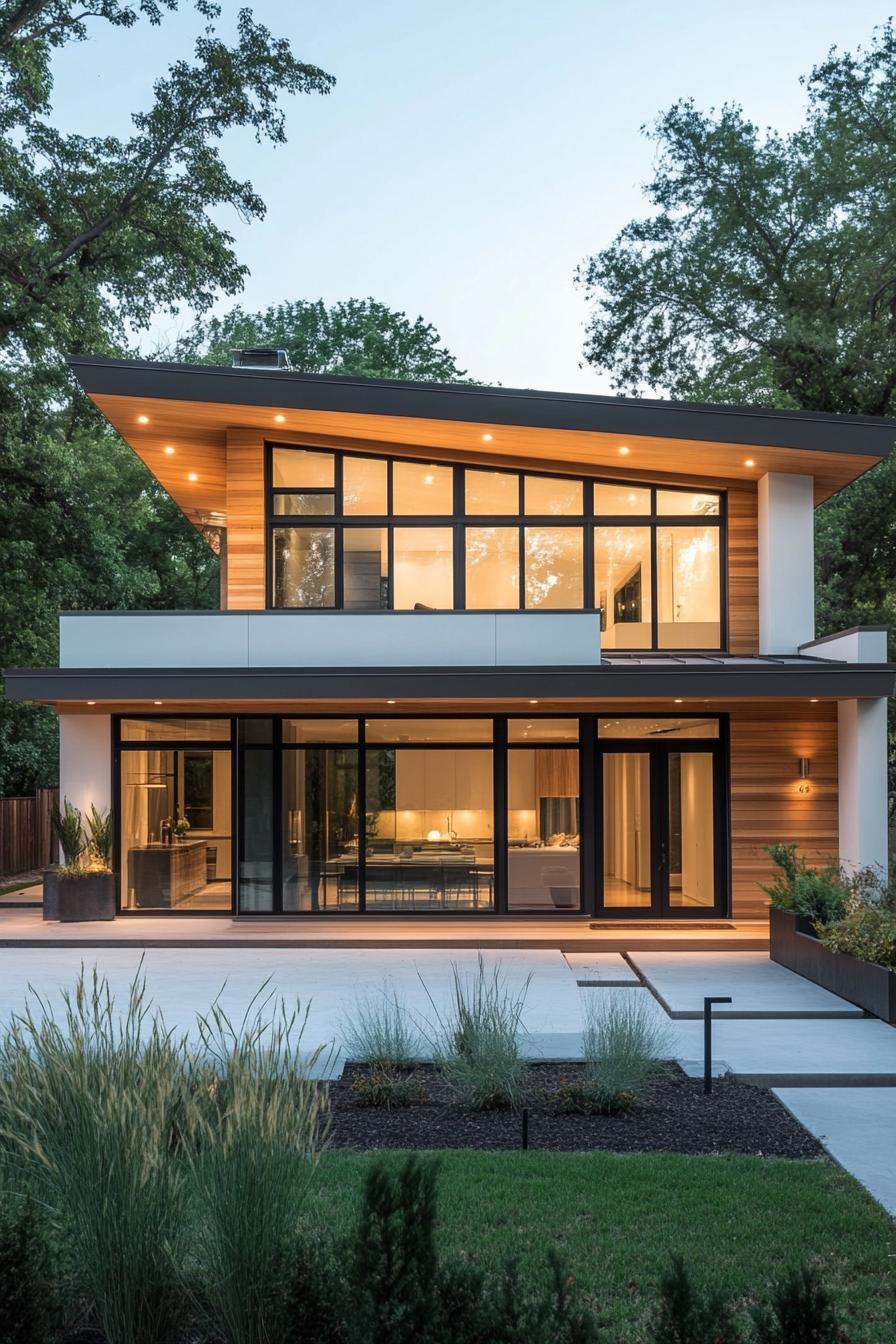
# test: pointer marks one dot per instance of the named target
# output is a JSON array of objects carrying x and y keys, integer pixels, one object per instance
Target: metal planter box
[
  {"x": 793, "y": 943},
  {"x": 85, "y": 898}
]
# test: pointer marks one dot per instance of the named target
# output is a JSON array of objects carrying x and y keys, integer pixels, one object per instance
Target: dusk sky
[{"x": 472, "y": 152}]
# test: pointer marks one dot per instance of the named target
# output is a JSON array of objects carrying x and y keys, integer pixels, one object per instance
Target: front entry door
[{"x": 660, "y": 838}]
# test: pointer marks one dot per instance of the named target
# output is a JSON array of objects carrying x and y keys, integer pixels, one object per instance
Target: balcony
[{"x": 329, "y": 639}]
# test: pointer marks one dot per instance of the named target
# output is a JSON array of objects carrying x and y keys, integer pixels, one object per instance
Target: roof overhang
[
  {"x": 190, "y": 408},
  {"x": 229, "y": 687}
]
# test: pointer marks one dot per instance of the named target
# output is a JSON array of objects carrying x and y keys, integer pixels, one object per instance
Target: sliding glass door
[{"x": 662, "y": 834}]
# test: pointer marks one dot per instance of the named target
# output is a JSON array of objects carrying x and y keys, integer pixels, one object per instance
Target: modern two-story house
[{"x": 479, "y": 651}]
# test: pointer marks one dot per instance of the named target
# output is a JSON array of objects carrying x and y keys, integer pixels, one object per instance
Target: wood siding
[
  {"x": 743, "y": 569},
  {"x": 245, "y": 521},
  {"x": 767, "y": 741}
]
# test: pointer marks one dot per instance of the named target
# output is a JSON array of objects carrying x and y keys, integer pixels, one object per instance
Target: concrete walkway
[{"x": 856, "y": 1126}]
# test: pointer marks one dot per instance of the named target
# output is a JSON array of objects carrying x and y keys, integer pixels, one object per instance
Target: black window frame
[
  {"x": 590, "y": 748},
  {"x": 459, "y": 520}
]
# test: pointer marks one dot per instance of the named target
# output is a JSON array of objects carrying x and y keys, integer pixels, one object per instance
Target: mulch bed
[{"x": 672, "y": 1116}]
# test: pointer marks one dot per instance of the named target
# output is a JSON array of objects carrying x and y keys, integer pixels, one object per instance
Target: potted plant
[
  {"x": 68, "y": 830},
  {"x": 84, "y": 882},
  {"x": 181, "y": 827}
]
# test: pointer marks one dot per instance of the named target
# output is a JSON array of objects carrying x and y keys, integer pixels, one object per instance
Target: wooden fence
[{"x": 26, "y": 836}]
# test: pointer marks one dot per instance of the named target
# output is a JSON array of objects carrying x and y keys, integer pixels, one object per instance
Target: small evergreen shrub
[
  {"x": 394, "y": 1261},
  {"x": 688, "y": 1316},
  {"x": 820, "y": 894},
  {"x": 24, "y": 1280},
  {"x": 800, "y": 1311},
  {"x": 388, "y": 1090}
]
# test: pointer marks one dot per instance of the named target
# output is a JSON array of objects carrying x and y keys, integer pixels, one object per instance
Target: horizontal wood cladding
[
  {"x": 245, "y": 521},
  {"x": 743, "y": 569},
  {"x": 767, "y": 742}
]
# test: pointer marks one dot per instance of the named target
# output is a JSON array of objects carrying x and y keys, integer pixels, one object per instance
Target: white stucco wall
[
  {"x": 85, "y": 760},
  {"x": 862, "y": 756},
  {"x": 786, "y": 562}
]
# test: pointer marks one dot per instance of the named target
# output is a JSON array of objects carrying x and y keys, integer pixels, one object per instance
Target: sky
[{"x": 473, "y": 152}]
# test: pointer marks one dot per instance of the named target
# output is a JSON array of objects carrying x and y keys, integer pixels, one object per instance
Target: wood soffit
[{"x": 194, "y": 473}]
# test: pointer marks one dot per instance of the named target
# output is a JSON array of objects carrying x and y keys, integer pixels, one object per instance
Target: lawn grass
[{"x": 616, "y": 1220}]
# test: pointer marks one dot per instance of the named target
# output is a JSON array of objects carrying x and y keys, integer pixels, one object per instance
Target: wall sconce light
[{"x": 803, "y": 772}]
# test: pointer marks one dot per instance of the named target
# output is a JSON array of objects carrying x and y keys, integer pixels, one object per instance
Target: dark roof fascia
[
  {"x": 759, "y": 426},
  {"x": 235, "y": 684}
]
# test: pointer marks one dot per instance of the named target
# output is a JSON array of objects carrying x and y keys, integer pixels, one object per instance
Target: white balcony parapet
[{"x": 237, "y": 639}]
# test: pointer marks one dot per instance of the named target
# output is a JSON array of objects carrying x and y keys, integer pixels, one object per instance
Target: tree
[
  {"x": 98, "y": 233},
  {"x": 357, "y": 336},
  {"x": 765, "y": 274}
]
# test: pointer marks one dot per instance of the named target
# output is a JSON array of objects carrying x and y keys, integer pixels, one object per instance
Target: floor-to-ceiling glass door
[{"x": 661, "y": 831}]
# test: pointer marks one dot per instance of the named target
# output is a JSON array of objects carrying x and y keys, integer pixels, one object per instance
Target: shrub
[
  {"x": 89, "y": 1103},
  {"x": 820, "y": 894},
  {"x": 801, "y": 1311},
  {"x": 868, "y": 933},
  {"x": 388, "y": 1090},
  {"x": 379, "y": 1032},
  {"x": 574, "y": 1098},
  {"x": 255, "y": 1130},
  {"x": 624, "y": 1045},
  {"x": 24, "y": 1280},
  {"x": 477, "y": 1044},
  {"x": 394, "y": 1261},
  {"x": 686, "y": 1316},
  {"x": 400, "y": 1293}
]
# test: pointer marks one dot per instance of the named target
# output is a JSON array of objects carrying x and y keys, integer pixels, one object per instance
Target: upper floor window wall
[{"x": 363, "y": 533}]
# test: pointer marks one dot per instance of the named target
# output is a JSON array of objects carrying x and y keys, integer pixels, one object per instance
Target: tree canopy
[
  {"x": 765, "y": 274},
  {"x": 98, "y": 234},
  {"x": 357, "y": 336}
]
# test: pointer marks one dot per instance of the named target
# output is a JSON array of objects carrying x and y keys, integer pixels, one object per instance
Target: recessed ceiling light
[
  {"x": 624, "y": 451},
  {"x": 168, "y": 449},
  {"x": 191, "y": 476},
  {"x": 91, "y": 702},
  {"x": 487, "y": 438},
  {"x": 429, "y": 480},
  {"x": 280, "y": 419},
  {"x": 749, "y": 462},
  {"x": 390, "y": 702},
  {"x": 678, "y": 702},
  {"x": 157, "y": 702},
  {"x": 142, "y": 419},
  {"x": 814, "y": 701},
  {"x": 533, "y": 702}
]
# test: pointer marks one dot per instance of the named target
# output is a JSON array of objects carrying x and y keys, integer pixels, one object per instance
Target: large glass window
[
  {"x": 622, "y": 586},
  {"x": 688, "y": 588},
  {"x": 424, "y": 568},
  {"x": 492, "y": 560},
  {"x": 367, "y": 533},
  {"x": 543, "y": 826},
  {"x": 175, "y": 829},
  {"x": 365, "y": 568},
  {"x": 304, "y": 567},
  {"x": 320, "y": 830},
  {"x": 429, "y": 829},
  {"x": 554, "y": 567}
]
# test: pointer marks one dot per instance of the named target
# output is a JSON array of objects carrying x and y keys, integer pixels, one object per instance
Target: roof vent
[{"x": 259, "y": 359}]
